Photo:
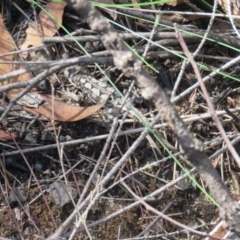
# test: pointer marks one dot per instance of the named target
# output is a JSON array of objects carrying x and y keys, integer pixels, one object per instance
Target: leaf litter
[
  {"x": 187, "y": 202},
  {"x": 52, "y": 108}
]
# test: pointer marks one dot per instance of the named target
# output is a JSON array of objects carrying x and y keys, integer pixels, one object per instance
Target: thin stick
[
  {"x": 205, "y": 93},
  {"x": 148, "y": 207}
]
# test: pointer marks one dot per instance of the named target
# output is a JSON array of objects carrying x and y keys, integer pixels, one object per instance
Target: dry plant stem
[
  {"x": 60, "y": 63},
  {"x": 229, "y": 11},
  {"x": 150, "y": 196},
  {"x": 99, "y": 161},
  {"x": 185, "y": 63},
  {"x": 210, "y": 76},
  {"x": 84, "y": 59},
  {"x": 215, "y": 36},
  {"x": 38, "y": 184},
  {"x": 125, "y": 36},
  {"x": 191, "y": 148},
  {"x": 30, "y": 49},
  {"x": 69, "y": 62},
  {"x": 154, "y": 221},
  {"x": 28, "y": 86},
  {"x": 224, "y": 149},
  {"x": 31, "y": 83},
  {"x": 179, "y": 78},
  {"x": 114, "y": 139},
  {"x": 150, "y": 38},
  {"x": 14, "y": 222},
  {"x": 232, "y": 212},
  {"x": 208, "y": 28},
  {"x": 25, "y": 210},
  {"x": 104, "y": 136},
  {"x": 105, "y": 180},
  {"x": 210, "y": 105},
  {"x": 164, "y": 12},
  {"x": 148, "y": 207}
]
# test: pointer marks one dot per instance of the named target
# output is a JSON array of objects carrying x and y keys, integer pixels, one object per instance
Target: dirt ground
[{"x": 42, "y": 183}]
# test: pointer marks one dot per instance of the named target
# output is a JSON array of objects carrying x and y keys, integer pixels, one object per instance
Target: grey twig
[
  {"x": 231, "y": 213},
  {"x": 60, "y": 63},
  {"x": 162, "y": 214},
  {"x": 150, "y": 196},
  {"x": 122, "y": 133}
]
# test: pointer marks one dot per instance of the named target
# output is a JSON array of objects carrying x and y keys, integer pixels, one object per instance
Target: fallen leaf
[
  {"x": 175, "y": 3},
  {"x": 46, "y": 27},
  {"x": 234, "y": 8},
  {"x": 234, "y": 11},
  {"x": 7, "y": 45},
  {"x": 7, "y": 136},
  {"x": 62, "y": 111}
]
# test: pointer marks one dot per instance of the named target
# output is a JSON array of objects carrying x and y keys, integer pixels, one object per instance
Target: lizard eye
[{"x": 44, "y": 85}]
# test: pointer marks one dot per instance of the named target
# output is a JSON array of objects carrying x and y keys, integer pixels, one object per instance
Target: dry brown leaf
[
  {"x": 7, "y": 136},
  {"x": 7, "y": 45},
  {"x": 62, "y": 111},
  {"x": 48, "y": 27},
  {"x": 234, "y": 9},
  {"x": 175, "y": 3}
]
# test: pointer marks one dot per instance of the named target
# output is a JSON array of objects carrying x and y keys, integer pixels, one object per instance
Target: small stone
[
  {"x": 60, "y": 193},
  {"x": 47, "y": 136},
  {"x": 15, "y": 196},
  {"x": 38, "y": 166}
]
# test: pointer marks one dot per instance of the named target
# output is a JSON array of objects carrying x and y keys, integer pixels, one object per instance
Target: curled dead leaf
[
  {"x": 7, "y": 136},
  {"x": 62, "y": 111},
  {"x": 46, "y": 27},
  {"x": 234, "y": 8},
  {"x": 59, "y": 111},
  {"x": 7, "y": 45}
]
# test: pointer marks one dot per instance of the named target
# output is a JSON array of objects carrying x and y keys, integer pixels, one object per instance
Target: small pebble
[{"x": 38, "y": 166}]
